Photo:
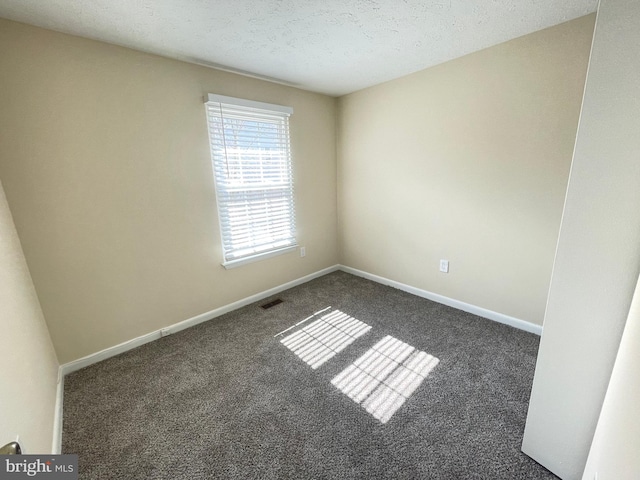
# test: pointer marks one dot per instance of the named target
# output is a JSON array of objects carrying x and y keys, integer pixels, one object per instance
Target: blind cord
[{"x": 224, "y": 141}]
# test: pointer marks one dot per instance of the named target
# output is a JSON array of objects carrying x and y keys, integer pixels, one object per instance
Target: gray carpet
[{"x": 225, "y": 399}]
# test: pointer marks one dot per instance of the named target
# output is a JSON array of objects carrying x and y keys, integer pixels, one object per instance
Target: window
[{"x": 254, "y": 185}]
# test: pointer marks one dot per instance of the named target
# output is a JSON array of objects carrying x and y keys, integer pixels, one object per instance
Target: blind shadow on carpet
[{"x": 381, "y": 380}]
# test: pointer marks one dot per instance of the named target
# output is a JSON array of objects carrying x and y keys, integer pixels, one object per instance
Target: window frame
[{"x": 215, "y": 109}]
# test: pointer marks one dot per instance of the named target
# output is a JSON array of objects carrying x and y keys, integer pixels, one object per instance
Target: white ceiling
[{"x": 329, "y": 46}]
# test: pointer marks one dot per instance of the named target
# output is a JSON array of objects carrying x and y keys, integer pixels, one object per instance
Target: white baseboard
[
  {"x": 67, "y": 368},
  {"x": 481, "y": 312},
  {"x": 176, "y": 327},
  {"x": 56, "y": 445},
  {"x": 149, "y": 337}
]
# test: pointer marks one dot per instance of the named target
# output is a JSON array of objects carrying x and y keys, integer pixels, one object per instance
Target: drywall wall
[
  {"x": 29, "y": 364},
  {"x": 466, "y": 161},
  {"x": 616, "y": 443},
  {"x": 598, "y": 255},
  {"x": 106, "y": 167}
]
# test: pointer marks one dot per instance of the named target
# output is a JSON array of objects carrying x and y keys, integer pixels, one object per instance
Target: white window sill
[{"x": 260, "y": 256}]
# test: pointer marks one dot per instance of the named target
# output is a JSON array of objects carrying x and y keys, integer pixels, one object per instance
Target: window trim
[
  {"x": 258, "y": 256},
  {"x": 241, "y": 102},
  {"x": 285, "y": 111}
]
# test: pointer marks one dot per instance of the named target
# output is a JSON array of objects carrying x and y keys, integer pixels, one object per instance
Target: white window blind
[{"x": 254, "y": 185}]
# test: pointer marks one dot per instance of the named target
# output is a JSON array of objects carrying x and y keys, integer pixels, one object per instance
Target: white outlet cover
[{"x": 444, "y": 266}]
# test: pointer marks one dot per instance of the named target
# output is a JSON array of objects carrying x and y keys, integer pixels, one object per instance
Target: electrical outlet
[
  {"x": 303, "y": 251},
  {"x": 444, "y": 266}
]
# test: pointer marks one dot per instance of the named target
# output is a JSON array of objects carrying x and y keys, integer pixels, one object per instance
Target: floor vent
[{"x": 272, "y": 303}]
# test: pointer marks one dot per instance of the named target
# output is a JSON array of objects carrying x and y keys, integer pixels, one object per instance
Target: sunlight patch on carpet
[
  {"x": 324, "y": 338},
  {"x": 384, "y": 377}
]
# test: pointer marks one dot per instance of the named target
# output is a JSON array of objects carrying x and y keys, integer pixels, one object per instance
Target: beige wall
[
  {"x": 105, "y": 162},
  {"x": 598, "y": 257},
  {"x": 466, "y": 161},
  {"x": 29, "y": 366},
  {"x": 616, "y": 443}
]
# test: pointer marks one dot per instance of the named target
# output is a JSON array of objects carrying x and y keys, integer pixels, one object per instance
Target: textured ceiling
[{"x": 331, "y": 46}]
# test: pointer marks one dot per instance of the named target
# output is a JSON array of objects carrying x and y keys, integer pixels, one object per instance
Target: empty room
[{"x": 290, "y": 239}]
